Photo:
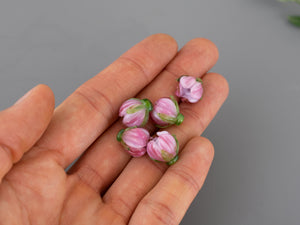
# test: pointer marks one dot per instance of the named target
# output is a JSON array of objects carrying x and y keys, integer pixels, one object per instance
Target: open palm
[{"x": 106, "y": 185}]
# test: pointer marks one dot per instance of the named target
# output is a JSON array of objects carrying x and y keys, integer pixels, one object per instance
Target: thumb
[{"x": 23, "y": 124}]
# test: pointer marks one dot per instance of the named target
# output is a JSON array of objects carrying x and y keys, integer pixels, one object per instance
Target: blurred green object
[
  {"x": 295, "y": 20},
  {"x": 297, "y": 1}
]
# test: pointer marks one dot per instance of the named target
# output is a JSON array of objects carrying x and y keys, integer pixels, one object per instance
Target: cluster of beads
[{"x": 163, "y": 146}]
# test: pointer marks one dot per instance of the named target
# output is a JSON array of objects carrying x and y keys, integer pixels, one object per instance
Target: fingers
[
  {"x": 103, "y": 162},
  {"x": 82, "y": 117},
  {"x": 23, "y": 124},
  {"x": 169, "y": 200},
  {"x": 142, "y": 174}
]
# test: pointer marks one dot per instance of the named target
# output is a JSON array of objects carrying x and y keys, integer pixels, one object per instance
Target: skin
[{"x": 106, "y": 185}]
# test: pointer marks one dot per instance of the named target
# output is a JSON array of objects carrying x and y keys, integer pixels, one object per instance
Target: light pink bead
[
  {"x": 166, "y": 112},
  {"x": 163, "y": 148},
  {"x": 189, "y": 89},
  {"x": 134, "y": 140},
  {"x": 135, "y": 112}
]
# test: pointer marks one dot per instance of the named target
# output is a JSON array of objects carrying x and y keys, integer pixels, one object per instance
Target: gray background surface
[{"x": 254, "y": 178}]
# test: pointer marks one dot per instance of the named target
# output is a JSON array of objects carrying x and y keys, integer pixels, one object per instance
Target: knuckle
[
  {"x": 185, "y": 174},
  {"x": 97, "y": 100},
  {"x": 120, "y": 208},
  {"x": 90, "y": 177},
  {"x": 161, "y": 213},
  {"x": 198, "y": 119},
  {"x": 195, "y": 116},
  {"x": 175, "y": 70},
  {"x": 135, "y": 65}
]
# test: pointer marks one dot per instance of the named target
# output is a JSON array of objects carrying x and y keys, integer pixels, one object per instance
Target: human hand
[{"x": 106, "y": 185}]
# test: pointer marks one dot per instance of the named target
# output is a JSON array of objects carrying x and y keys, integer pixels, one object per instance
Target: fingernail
[{"x": 24, "y": 97}]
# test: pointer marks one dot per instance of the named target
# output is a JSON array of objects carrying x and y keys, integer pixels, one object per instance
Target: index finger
[{"x": 85, "y": 114}]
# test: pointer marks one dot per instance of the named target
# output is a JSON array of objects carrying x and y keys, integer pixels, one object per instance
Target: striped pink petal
[
  {"x": 187, "y": 81},
  {"x": 134, "y": 119},
  {"x": 160, "y": 145},
  {"x": 130, "y": 103},
  {"x": 136, "y": 139},
  {"x": 164, "y": 107},
  {"x": 189, "y": 89}
]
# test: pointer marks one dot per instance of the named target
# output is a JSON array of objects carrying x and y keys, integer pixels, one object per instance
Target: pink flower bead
[
  {"x": 163, "y": 148},
  {"x": 189, "y": 89},
  {"x": 166, "y": 112},
  {"x": 134, "y": 140},
  {"x": 135, "y": 112}
]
